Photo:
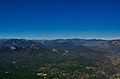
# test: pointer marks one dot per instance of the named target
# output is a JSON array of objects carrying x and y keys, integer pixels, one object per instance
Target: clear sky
[{"x": 47, "y": 19}]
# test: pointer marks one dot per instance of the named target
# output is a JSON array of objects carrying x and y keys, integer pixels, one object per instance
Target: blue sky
[{"x": 48, "y": 19}]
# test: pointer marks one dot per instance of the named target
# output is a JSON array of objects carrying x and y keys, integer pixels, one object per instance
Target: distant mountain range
[{"x": 102, "y": 45}]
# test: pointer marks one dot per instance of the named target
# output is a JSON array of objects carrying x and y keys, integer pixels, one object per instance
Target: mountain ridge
[{"x": 97, "y": 44}]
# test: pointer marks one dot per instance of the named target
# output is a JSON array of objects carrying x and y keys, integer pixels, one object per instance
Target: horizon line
[{"x": 64, "y": 38}]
